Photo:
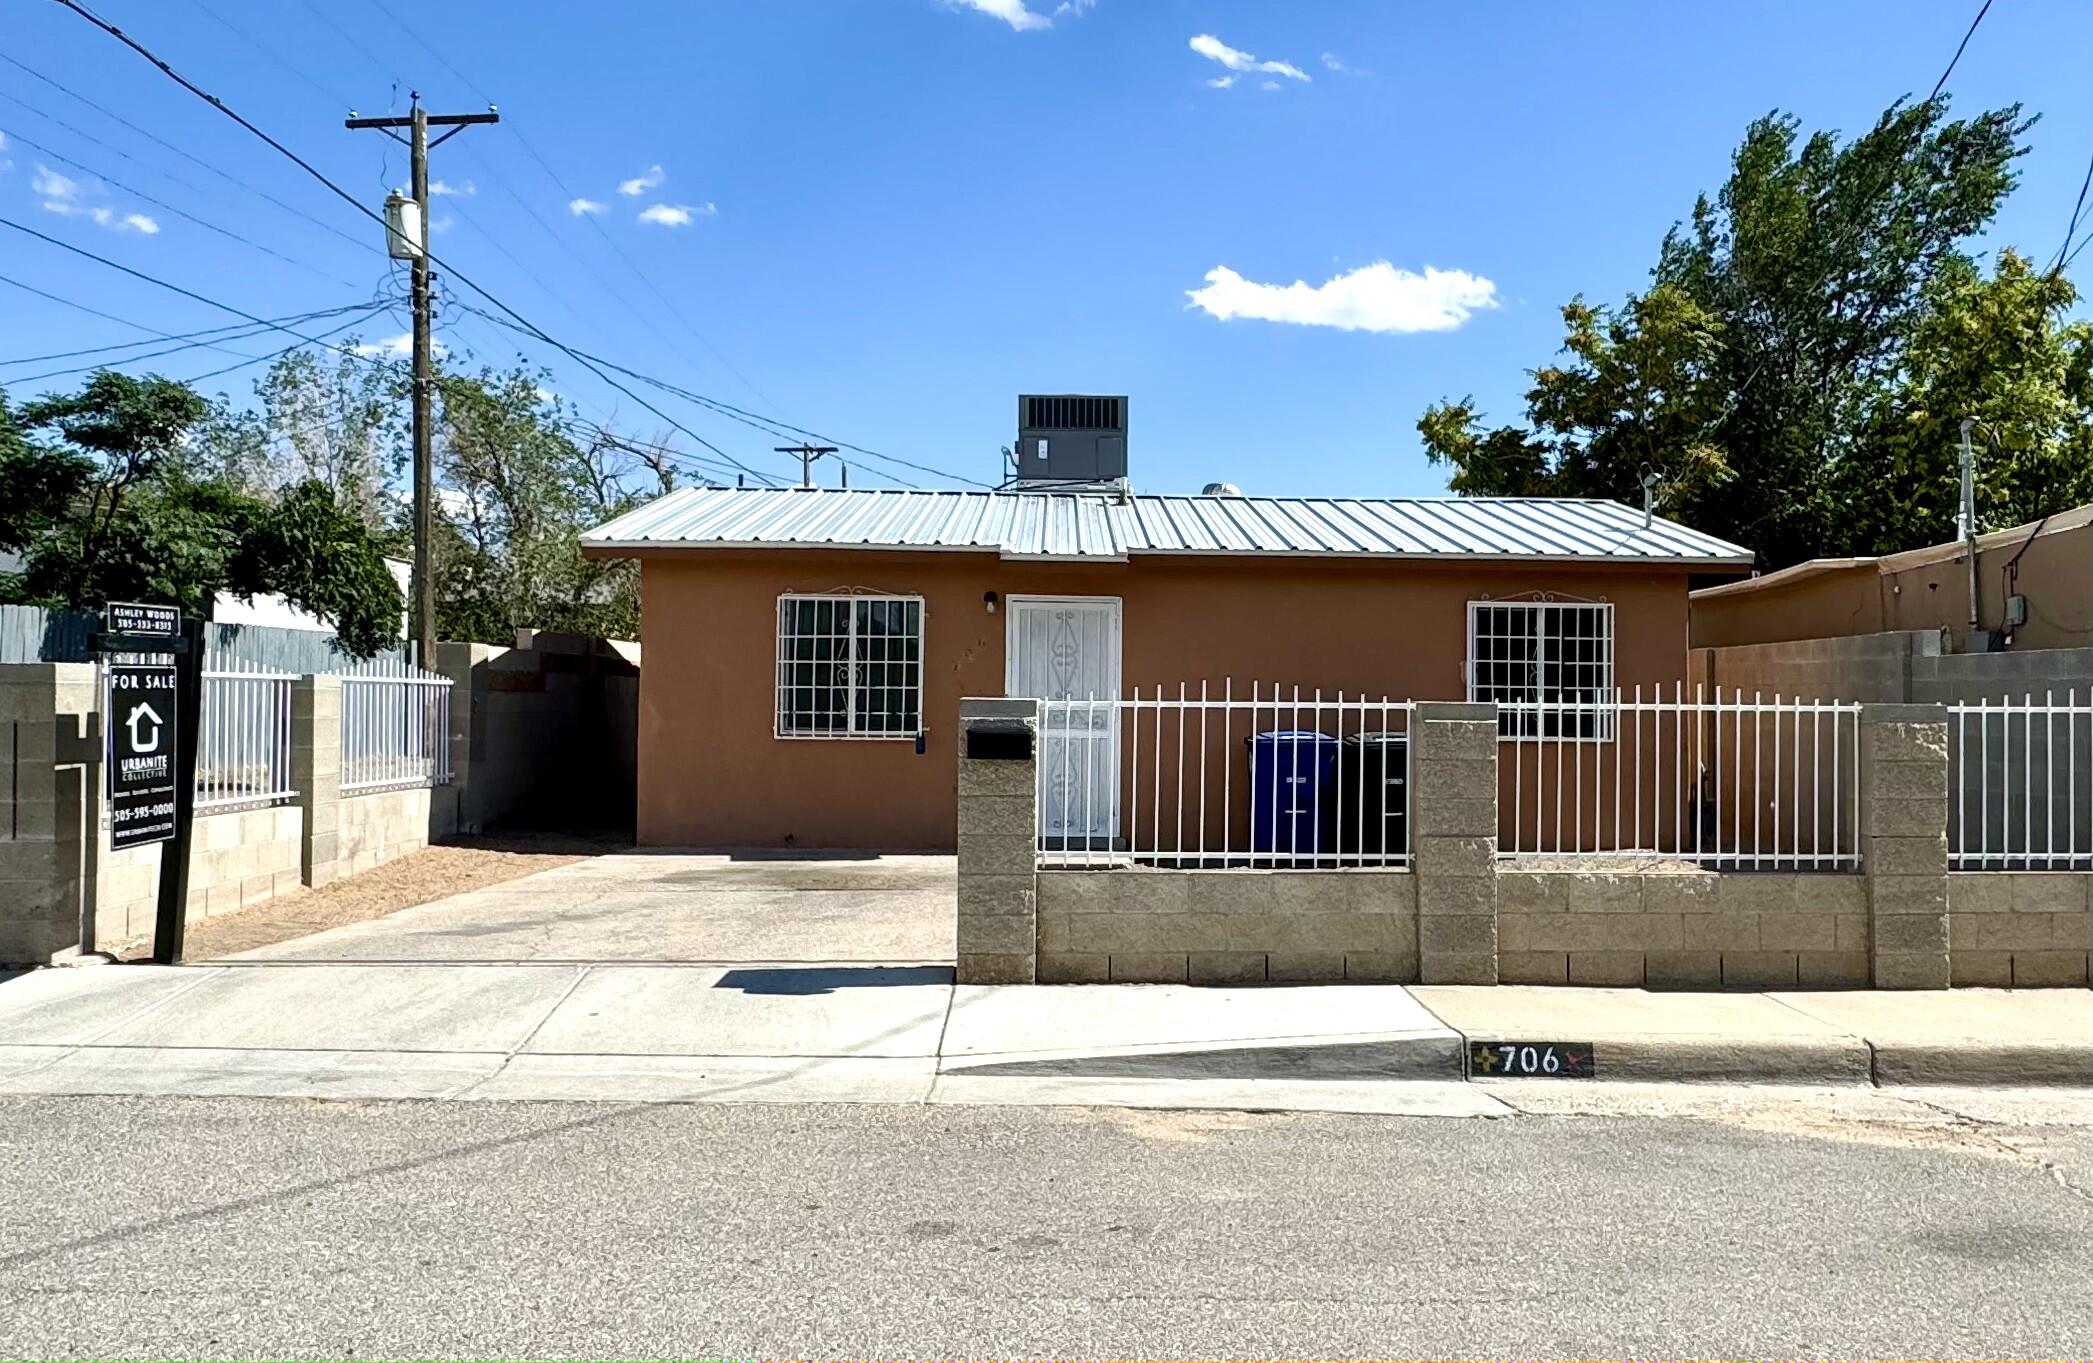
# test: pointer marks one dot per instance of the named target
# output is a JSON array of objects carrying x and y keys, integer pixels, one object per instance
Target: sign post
[{"x": 155, "y": 695}]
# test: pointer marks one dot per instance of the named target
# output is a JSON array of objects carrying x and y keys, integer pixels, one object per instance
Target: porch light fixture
[{"x": 988, "y": 599}]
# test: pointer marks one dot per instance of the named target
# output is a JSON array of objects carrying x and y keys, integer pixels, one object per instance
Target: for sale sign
[{"x": 141, "y": 719}]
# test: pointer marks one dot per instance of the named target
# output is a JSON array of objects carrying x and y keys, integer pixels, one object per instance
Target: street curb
[
  {"x": 1405, "y": 1057},
  {"x": 1985, "y": 1064},
  {"x": 1717, "y": 1059}
]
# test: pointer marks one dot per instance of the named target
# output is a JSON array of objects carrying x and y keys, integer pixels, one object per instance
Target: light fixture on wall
[{"x": 988, "y": 600}]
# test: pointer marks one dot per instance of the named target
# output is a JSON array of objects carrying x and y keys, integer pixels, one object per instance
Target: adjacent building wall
[
  {"x": 712, "y": 773},
  {"x": 2050, "y": 563}
]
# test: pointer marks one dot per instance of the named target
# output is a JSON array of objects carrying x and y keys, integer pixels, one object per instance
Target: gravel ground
[
  {"x": 451, "y": 868},
  {"x": 281, "y": 1229}
]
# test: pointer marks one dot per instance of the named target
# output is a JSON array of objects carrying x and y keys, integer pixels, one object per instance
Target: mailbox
[{"x": 1004, "y": 741}]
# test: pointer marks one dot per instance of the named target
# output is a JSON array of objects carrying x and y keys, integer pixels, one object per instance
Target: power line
[
  {"x": 1941, "y": 84},
  {"x": 199, "y": 337},
  {"x": 170, "y": 208},
  {"x": 601, "y": 231},
  {"x": 377, "y": 218},
  {"x": 167, "y": 70},
  {"x": 279, "y": 354},
  {"x": 245, "y": 360},
  {"x": 2064, "y": 252},
  {"x": 155, "y": 138},
  {"x": 756, "y": 419},
  {"x": 140, "y": 274}
]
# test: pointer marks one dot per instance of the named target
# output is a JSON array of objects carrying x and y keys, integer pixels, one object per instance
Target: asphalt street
[{"x": 148, "y": 1227}]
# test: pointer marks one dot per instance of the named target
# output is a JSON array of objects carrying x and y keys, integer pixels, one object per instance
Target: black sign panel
[
  {"x": 141, "y": 722},
  {"x": 126, "y": 617},
  {"x": 1531, "y": 1060}
]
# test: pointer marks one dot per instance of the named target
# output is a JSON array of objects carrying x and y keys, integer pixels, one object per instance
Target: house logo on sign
[{"x": 145, "y": 725}]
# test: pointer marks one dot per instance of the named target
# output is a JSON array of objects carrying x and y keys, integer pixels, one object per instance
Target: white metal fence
[
  {"x": 243, "y": 737},
  {"x": 2020, "y": 784},
  {"x": 1198, "y": 781},
  {"x": 396, "y": 724},
  {"x": 1726, "y": 782}
]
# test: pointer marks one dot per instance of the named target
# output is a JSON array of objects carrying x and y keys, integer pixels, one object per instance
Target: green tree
[
  {"x": 517, "y": 489},
  {"x": 115, "y": 511},
  {"x": 1753, "y": 371},
  {"x": 335, "y": 417},
  {"x": 2000, "y": 349}
]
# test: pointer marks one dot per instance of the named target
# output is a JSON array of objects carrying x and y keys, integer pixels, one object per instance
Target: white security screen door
[{"x": 1067, "y": 648}]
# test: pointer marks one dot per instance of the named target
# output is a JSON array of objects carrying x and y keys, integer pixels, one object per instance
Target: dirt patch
[{"x": 435, "y": 873}]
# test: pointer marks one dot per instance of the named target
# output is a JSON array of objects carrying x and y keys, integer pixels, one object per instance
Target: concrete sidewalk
[{"x": 907, "y": 1034}]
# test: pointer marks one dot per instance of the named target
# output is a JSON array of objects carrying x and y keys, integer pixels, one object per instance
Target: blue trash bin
[{"x": 1293, "y": 796}]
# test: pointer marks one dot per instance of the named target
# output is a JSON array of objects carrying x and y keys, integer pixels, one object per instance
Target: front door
[{"x": 1067, "y": 648}]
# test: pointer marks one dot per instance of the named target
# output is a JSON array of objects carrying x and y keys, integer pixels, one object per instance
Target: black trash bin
[{"x": 1373, "y": 796}]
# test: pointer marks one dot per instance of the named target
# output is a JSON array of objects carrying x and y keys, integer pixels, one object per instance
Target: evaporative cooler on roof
[{"x": 1071, "y": 441}]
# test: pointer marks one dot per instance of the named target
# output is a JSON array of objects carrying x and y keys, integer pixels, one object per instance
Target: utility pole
[
  {"x": 807, "y": 455},
  {"x": 422, "y": 608}
]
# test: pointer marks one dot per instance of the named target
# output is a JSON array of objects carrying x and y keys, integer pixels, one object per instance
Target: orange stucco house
[{"x": 807, "y": 649}]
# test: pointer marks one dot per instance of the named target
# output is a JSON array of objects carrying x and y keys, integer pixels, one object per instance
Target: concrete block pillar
[
  {"x": 466, "y": 666},
  {"x": 998, "y": 813},
  {"x": 1453, "y": 817},
  {"x": 47, "y": 827},
  {"x": 316, "y": 772},
  {"x": 1904, "y": 842}
]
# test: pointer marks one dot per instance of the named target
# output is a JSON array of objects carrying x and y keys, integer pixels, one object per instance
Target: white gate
[{"x": 1067, "y": 648}]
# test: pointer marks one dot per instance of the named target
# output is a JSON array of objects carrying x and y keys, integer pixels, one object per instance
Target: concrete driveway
[{"x": 674, "y": 907}]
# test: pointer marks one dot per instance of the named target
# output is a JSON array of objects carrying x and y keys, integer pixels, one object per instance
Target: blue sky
[{"x": 902, "y": 213}]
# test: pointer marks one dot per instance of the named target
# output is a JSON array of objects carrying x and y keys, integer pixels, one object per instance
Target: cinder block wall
[
  {"x": 1684, "y": 930},
  {"x": 1230, "y": 927},
  {"x": 1462, "y": 914},
  {"x": 237, "y": 859},
  {"x": 385, "y": 825},
  {"x": 2020, "y": 929}
]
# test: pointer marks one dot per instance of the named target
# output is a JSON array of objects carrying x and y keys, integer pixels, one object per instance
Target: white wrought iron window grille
[
  {"x": 850, "y": 667},
  {"x": 1547, "y": 664}
]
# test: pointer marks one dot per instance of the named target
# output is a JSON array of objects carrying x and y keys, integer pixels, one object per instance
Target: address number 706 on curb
[{"x": 1531, "y": 1060}]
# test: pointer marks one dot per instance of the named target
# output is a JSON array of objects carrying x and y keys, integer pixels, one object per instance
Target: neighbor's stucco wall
[
  {"x": 1919, "y": 591},
  {"x": 711, "y": 773}
]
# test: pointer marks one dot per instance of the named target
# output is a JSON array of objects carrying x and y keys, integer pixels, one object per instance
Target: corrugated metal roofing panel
[{"x": 1106, "y": 526}]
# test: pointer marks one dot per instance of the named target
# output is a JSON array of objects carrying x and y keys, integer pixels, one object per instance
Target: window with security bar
[
  {"x": 1548, "y": 664},
  {"x": 850, "y": 666}
]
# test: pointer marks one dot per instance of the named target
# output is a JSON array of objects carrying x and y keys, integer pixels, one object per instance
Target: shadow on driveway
[{"x": 803, "y": 980}]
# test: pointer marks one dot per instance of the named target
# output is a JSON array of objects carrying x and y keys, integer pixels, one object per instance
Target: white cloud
[
  {"x": 1235, "y": 59},
  {"x": 62, "y": 195},
  {"x": 57, "y": 191},
  {"x": 395, "y": 347},
  {"x": 640, "y": 184},
  {"x": 1012, "y": 12},
  {"x": 579, "y": 207},
  {"x": 1069, "y": 9},
  {"x": 1268, "y": 85},
  {"x": 127, "y": 222},
  {"x": 1376, "y": 297},
  {"x": 1222, "y": 82},
  {"x": 438, "y": 226},
  {"x": 676, "y": 215},
  {"x": 464, "y": 189}
]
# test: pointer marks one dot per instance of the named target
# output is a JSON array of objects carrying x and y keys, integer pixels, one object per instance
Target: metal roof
[{"x": 1094, "y": 526}]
